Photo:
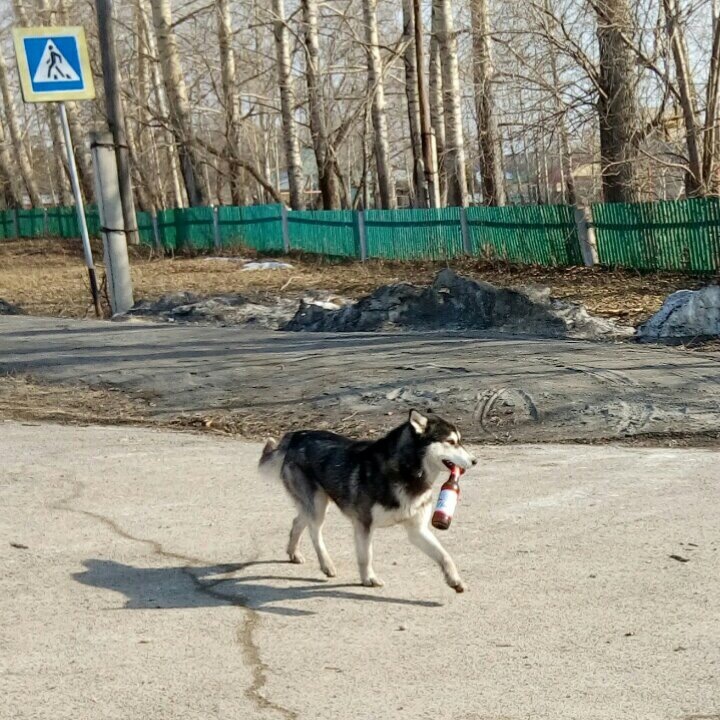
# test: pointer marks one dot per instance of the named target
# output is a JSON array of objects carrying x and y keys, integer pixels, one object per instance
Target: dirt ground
[
  {"x": 47, "y": 277},
  {"x": 257, "y": 382}
]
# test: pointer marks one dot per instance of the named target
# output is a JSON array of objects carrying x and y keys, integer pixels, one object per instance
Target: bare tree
[
  {"x": 386, "y": 182},
  {"x": 231, "y": 99},
  {"x": 149, "y": 47},
  {"x": 488, "y": 138},
  {"x": 711, "y": 139},
  {"x": 437, "y": 111},
  {"x": 617, "y": 108},
  {"x": 324, "y": 154},
  {"x": 293, "y": 158},
  {"x": 455, "y": 143},
  {"x": 179, "y": 106},
  {"x": 412, "y": 94},
  {"x": 19, "y": 151},
  {"x": 8, "y": 176}
]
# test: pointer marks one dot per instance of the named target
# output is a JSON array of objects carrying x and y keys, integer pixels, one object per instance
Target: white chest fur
[{"x": 409, "y": 506}]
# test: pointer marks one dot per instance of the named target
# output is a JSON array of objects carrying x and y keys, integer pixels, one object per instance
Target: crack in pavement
[{"x": 245, "y": 635}]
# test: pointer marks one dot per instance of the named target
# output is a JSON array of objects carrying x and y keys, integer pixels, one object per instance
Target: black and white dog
[{"x": 374, "y": 483}]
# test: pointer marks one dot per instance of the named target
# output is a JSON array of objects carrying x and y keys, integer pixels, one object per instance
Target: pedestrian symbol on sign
[
  {"x": 54, "y": 67},
  {"x": 53, "y": 64}
]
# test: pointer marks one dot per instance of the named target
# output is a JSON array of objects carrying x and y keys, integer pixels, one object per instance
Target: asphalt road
[
  {"x": 144, "y": 577},
  {"x": 497, "y": 388}
]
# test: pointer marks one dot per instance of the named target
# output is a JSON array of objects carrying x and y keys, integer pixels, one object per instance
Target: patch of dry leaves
[{"x": 48, "y": 277}]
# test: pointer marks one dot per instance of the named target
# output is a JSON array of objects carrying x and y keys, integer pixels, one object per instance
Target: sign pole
[{"x": 80, "y": 208}]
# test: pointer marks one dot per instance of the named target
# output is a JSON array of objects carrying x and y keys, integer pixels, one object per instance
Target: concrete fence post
[
  {"x": 112, "y": 223},
  {"x": 285, "y": 228},
  {"x": 216, "y": 228},
  {"x": 362, "y": 235},
  {"x": 157, "y": 243},
  {"x": 46, "y": 225},
  {"x": 467, "y": 247},
  {"x": 586, "y": 236}
]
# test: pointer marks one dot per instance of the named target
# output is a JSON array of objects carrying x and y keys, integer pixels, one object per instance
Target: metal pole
[
  {"x": 80, "y": 209},
  {"x": 112, "y": 223}
]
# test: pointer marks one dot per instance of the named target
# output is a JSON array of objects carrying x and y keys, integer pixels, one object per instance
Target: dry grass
[
  {"x": 47, "y": 277},
  {"x": 24, "y": 399}
]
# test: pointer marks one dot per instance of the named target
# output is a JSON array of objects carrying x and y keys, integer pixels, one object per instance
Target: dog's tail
[
  {"x": 272, "y": 458},
  {"x": 271, "y": 445}
]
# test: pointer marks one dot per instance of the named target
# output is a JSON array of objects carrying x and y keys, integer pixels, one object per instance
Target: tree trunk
[
  {"x": 386, "y": 182},
  {"x": 62, "y": 172},
  {"x": 180, "y": 115},
  {"x": 139, "y": 166},
  {"x": 694, "y": 184},
  {"x": 412, "y": 93},
  {"x": 454, "y": 143},
  {"x": 617, "y": 106},
  {"x": 437, "y": 113},
  {"x": 491, "y": 165},
  {"x": 231, "y": 99},
  {"x": 140, "y": 136},
  {"x": 158, "y": 91},
  {"x": 21, "y": 156},
  {"x": 711, "y": 146},
  {"x": 8, "y": 175},
  {"x": 21, "y": 13},
  {"x": 324, "y": 154},
  {"x": 293, "y": 158}
]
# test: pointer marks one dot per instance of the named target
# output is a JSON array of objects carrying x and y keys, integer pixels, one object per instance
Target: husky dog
[{"x": 374, "y": 483}]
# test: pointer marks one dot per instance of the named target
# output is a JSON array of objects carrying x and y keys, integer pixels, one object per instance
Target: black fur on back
[{"x": 356, "y": 474}]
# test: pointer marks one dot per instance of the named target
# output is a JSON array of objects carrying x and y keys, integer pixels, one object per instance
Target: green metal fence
[
  {"x": 537, "y": 234},
  {"x": 145, "y": 228},
  {"x": 325, "y": 232},
  {"x": 414, "y": 234},
  {"x": 674, "y": 235},
  {"x": 255, "y": 226},
  {"x": 680, "y": 235}
]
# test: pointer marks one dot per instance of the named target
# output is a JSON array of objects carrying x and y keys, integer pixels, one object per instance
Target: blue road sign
[{"x": 53, "y": 64}]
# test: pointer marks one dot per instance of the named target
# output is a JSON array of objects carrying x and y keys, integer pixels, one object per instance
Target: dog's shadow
[{"x": 193, "y": 586}]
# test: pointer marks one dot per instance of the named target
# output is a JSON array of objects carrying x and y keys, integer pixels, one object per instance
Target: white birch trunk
[
  {"x": 180, "y": 115},
  {"x": 386, "y": 182},
  {"x": 293, "y": 158},
  {"x": 454, "y": 142}
]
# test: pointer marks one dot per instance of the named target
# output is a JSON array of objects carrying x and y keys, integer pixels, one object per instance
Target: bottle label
[{"x": 447, "y": 502}]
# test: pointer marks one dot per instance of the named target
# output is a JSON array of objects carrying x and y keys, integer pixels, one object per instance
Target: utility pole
[
  {"x": 426, "y": 131},
  {"x": 107, "y": 190},
  {"x": 116, "y": 114}
]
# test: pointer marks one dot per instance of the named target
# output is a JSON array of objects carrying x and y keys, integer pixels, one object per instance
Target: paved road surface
[
  {"x": 497, "y": 388},
  {"x": 147, "y": 581}
]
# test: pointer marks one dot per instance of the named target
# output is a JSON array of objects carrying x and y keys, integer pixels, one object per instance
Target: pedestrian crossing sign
[{"x": 53, "y": 64}]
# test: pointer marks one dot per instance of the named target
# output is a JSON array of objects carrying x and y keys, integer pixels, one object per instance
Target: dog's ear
[{"x": 418, "y": 422}]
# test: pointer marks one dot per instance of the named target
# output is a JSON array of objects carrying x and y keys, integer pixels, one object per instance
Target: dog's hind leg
[
  {"x": 421, "y": 537},
  {"x": 315, "y": 523},
  {"x": 364, "y": 551},
  {"x": 299, "y": 524}
]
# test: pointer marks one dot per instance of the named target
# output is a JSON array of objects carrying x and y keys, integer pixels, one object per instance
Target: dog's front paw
[
  {"x": 373, "y": 582},
  {"x": 456, "y": 584},
  {"x": 329, "y": 570},
  {"x": 296, "y": 558}
]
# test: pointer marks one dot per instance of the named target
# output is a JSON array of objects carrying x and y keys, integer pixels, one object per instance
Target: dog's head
[{"x": 442, "y": 443}]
